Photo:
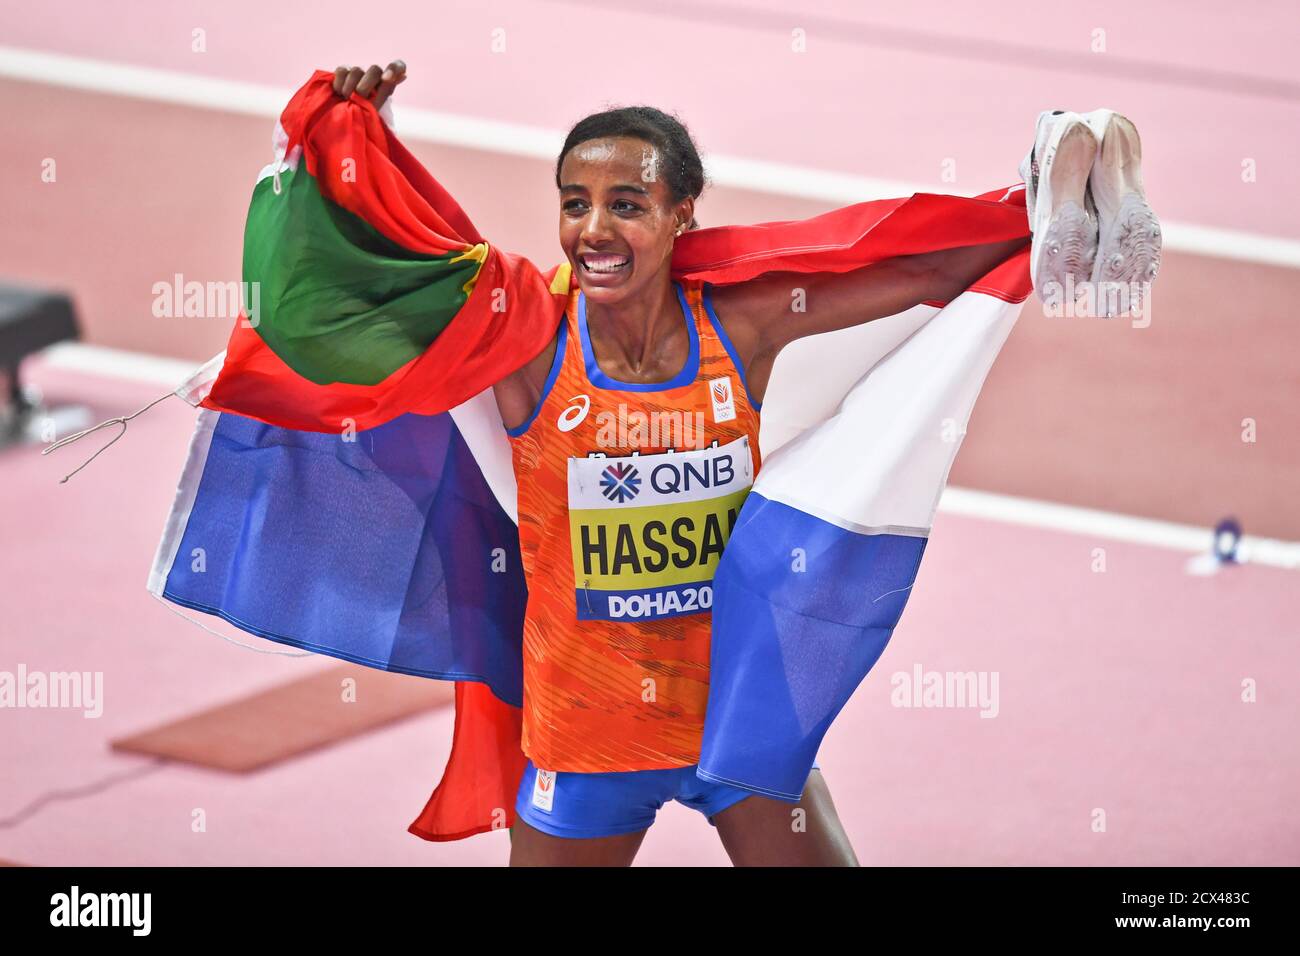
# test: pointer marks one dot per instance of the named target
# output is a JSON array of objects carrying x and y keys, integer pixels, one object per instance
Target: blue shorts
[{"x": 585, "y": 805}]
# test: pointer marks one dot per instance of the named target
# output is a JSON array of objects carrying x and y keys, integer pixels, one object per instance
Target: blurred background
[{"x": 1146, "y": 706}]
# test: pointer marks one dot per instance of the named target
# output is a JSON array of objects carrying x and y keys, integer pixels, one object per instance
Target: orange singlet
[{"x": 627, "y": 494}]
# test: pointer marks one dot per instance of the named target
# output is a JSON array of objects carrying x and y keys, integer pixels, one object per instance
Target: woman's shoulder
[
  {"x": 520, "y": 392},
  {"x": 739, "y": 308},
  {"x": 538, "y": 368}
]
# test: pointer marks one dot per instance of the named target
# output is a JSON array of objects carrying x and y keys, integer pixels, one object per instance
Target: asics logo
[{"x": 574, "y": 415}]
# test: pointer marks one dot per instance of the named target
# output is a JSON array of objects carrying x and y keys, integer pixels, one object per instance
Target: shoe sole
[
  {"x": 1130, "y": 236},
  {"x": 1065, "y": 236}
]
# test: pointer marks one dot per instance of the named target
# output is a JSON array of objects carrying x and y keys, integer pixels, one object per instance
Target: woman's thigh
[
  {"x": 531, "y": 847},
  {"x": 759, "y": 831}
]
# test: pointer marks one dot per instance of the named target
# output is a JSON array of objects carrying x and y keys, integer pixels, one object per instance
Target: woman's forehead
[{"x": 616, "y": 153}]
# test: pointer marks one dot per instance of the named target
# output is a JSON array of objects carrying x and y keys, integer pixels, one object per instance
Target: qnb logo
[
  {"x": 575, "y": 414},
  {"x": 620, "y": 482},
  {"x": 102, "y": 909},
  {"x": 672, "y": 479}
]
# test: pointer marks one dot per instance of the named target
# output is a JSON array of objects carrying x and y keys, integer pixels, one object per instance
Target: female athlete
[{"x": 640, "y": 374}]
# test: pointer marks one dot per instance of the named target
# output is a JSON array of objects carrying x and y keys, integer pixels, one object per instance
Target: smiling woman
[{"x": 642, "y": 164}]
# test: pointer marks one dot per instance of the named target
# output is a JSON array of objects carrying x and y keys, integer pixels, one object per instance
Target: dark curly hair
[{"x": 682, "y": 169}]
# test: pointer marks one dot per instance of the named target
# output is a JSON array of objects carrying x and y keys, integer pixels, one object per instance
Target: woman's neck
[{"x": 636, "y": 331}]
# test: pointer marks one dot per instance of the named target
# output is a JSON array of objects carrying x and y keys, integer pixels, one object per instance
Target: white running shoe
[
  {"x": 1029, "y": 165},
  {"x": 1058, "y": 203},
  {"x": 1130, "y": 239}
]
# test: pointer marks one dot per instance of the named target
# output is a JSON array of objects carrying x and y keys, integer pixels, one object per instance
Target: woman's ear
[{"x": 686, "y": 216}]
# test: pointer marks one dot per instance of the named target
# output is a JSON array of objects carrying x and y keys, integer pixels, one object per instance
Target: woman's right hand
[{"x": 375, "y": 82}]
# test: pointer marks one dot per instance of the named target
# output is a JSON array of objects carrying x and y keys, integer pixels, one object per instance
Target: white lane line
[
  {"x": 118, "y": 363},
  {"x": 1108, "y": 524},
  {"x": 516, "y": 139},
  {"x": 169, "y": 373}
]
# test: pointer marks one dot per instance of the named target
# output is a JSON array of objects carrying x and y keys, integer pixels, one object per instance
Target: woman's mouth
[{"x": 603, "y": 263}]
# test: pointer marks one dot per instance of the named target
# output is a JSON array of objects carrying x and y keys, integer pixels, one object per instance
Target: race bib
[{"x": 647, "y": 531}]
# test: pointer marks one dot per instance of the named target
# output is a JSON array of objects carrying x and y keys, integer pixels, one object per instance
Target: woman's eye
[{"x": 577, "y": 207}]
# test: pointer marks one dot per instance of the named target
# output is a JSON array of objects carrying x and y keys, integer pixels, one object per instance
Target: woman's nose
[{"x": 595, "y": 228}]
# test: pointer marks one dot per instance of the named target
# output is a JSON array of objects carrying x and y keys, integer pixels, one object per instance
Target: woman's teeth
[{"x": 604, "y": 264}]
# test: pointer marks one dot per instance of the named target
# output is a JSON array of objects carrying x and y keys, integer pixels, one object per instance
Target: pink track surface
[
  {"x": 886, "y": 90},
  {"x": 1119, "y": 691}
]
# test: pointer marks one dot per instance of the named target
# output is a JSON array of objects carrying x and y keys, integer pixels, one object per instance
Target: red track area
[{"x": 1090, "y": 412}]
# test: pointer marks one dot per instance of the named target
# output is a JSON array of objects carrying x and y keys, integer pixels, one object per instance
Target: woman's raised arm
[
  {"x": 770, "y": 311},
  {"x": 765, "y": 314}
]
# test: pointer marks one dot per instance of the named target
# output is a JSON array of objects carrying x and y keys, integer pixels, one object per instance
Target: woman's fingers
[
  {"x": 395, "y": 74},
  {"x": 377, "y": 82},
  {"x": 350, "y": 81},
  {"x": 369, "y": 81}
]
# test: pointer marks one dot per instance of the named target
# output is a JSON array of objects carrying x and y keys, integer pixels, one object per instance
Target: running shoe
[
  {"x": 1057, "y": 200},
  {"x": 1029, "y": 165},
  {"x": 1129, "y": 232}
]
